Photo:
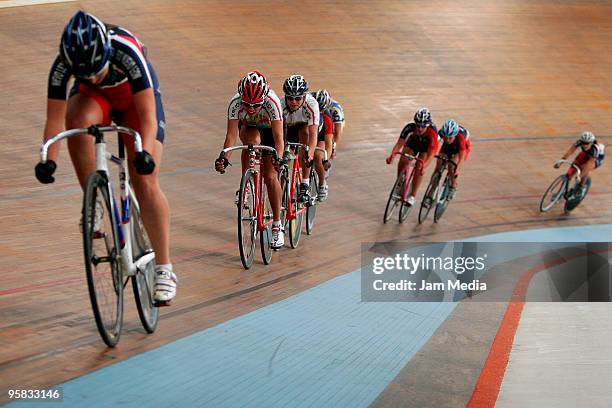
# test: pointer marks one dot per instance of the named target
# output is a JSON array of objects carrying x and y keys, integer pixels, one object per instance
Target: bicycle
[
  {"x": 402, "y": 188},
  {"x": 116, "y": 247},
  {"x": 254, "y": 208},
  {"x": 560, "y": 188},
  {"x": 313, "y": 202},
  {"x": 436, "y": 195}
]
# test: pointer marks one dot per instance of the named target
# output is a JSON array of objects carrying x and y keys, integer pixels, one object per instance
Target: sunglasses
[
  {"x": 294, "y": 98},
  {"x": 252, "y": 105},
  {"x": 423, "y": 125}
]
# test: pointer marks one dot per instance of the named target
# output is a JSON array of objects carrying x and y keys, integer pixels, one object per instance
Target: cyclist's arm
[
  {"x": 277, "y": 132},
  {"x": 399, "y": 145},
  {"x": 569, "y": 152},
  {"x": 312, "y": 139},
  {"x": 56, "y": 114},
  {"x": 231, "y": 135},
  {"x": 338, "y": 128},
  {"x": 144, "y": 102}
]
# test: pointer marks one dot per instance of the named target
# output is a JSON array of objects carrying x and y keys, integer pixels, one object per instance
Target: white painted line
[{"x": 17, "y": 3}]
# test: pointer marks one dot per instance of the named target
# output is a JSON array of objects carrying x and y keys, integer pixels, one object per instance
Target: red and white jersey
[
  {"x": 307, "y": 114},
  {"x": 270, "y": 111}
]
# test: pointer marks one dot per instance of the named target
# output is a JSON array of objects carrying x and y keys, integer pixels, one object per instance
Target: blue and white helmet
[
  {"x": 587, "y": 137},
  {"x": 85, "y": 45},
  {"x": 323, "y": 98},
  {"x": 449, "y": 129},
  {"x": 422, "y": 117},
  {"x": 295, "y": 86}
]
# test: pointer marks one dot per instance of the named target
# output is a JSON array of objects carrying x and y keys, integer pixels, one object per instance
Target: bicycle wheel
[
  {"x": 394, "y": 197},
  {"x": 283, "y": 178},
  {"x": 102, "y": 266},
  {"x": 295, "y": 225},
  {"x": 311, "y": 210},
  {"x": 575, "y": 197},
  {"x": 405, "y": 208},
  {"x": 431, "y": 194},
  {"x": 143, "y": 283},
  {"x": 265, "y": 236},
  {"x": 443, "y": 200},
  {"x": 247, "y": 219},
  {"x": 554, "y": 193}
]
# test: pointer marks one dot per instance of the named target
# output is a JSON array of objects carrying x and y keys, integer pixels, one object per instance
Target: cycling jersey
[
  {"x": 460, "y": 143},
  {"x": 326, "y": 127},
  {"x": 597, "y": 151},
  {"x": 427, "y": 142},
  {"x": 307, "y": 114},
  {"x": 270, "y": 111},
  {"x": 336, "y": 112}
]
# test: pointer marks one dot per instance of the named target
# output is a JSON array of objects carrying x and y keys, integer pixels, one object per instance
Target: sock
[
  {"x": 306, "y": 181},
  {"x": 166, "y": 267}
]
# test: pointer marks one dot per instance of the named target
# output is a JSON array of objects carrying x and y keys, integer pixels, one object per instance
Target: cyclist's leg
[
  {"x": 270, "y": 174},
  {"x": 319, "y": 156},
  {"x": 419, "y": 171},
  {"x": 85, "y": 107},
  {"x": 585, "y": 169},
  {"x": 303, "y": 137},
  {"x": 403, "y": 161},
  {"x": 247, "y": 135}
]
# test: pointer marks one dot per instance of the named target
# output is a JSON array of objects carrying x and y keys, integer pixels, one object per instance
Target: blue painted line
[{"x": 321, "y": 347}]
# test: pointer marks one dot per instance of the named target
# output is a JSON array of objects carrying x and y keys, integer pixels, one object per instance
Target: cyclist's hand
[
  {"x": 221, "y": 163},
  {"x": 326, "y": 164},
  {"x": 557, "y": 165},
  {"x": 144, "y": 163},
  {"x": 333, "y": 156},
  {"x": 389, "y": 159},
  {"x": 44, "y": 171},
  {"x": 276, "y": 162},
  {"x": 310, "y": 156}
]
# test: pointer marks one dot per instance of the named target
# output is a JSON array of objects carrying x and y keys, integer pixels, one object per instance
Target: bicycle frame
[
  {"x": 255, "y": 162},
  {"x": 296, "y": 171},
  {"x": 576, "y": 175},
  {"x": 127, "y": 195},
  {"x": 408, "y": 172}
]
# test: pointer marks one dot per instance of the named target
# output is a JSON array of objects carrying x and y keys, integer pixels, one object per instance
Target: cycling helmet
[
  {"x": 295, "y": 86},
  {"x": 422, "y": 117},
  {"x": 587, "y": 137},
  {"x": 323, "y": 98},
  {"x": 253, "y": 88},
  {"x": 85, "y": 45},
  {"x": 449, "y": 129}
]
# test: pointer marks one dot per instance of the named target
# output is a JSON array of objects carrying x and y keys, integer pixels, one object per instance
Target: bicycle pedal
[{"x": 98, "y": 235}]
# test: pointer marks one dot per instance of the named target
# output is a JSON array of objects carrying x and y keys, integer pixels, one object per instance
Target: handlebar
[
  {"x": 571, "y": 163},
  {"x": 95, "y": 131},
  {"x": 408, "y": 156},
  {"x": 446, "y": 159},
  {"x": 248, "y": 147}
]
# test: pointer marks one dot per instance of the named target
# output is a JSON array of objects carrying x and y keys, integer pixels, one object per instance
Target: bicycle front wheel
[
  {"x": 247, "y": 218},
  {"x": 428, "y": 199},
  {"x": 102, "y": 266},
  {"x": 265, "y": 236},
  {"x": 443, "y": 200},
  {"x": 554, "y": 193},
  {"x": 143, "y": 283},
  {"x": 405, "y": 208},
  {"x": 311, "y": 210},
  {"x": 394, "y": 197},
  {"x": 295, "y": 225}
]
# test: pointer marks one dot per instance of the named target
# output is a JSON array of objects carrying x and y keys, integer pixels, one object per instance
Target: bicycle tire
[
  {"x": 311, "y": 210},
  {"x": 572, "y": 202},
  {"x": 295, "y": 225},
  {"x": 283, "y": 178},
  {"x": 430, "y": 192},
  {"x": 394, "y": 197},
  {"x": 247, "y": 220},
  {"x": 265, "y": 236},
  {"x": 443, "y": 202},
  {"x": 143, "y": 282},
  {"x": 405, "y": 208},
  {"x": 101, "y": 248},
  {"x": 557, "y": 189}
]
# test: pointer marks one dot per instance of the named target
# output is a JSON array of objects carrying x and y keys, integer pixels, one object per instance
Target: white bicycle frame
[{"x": 123, "y": 220}]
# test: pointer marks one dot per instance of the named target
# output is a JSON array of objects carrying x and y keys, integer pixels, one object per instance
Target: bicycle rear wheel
[
  {"x": 431, "y": 194},
  {"x": 143, "y": 283},
  {"x": 247, "y": 220},
  {"x": 295, "y": 225},
  {"x": 554, "y": 193},
  {"x": 102, "y": 266},
  {"x": 443, "y": 200},
  {"x": 394, "y": 197},
  {"x": 311, "y": 211},
  {"x": 576, "y": 197},
  {"x": 265, "y": 236}
]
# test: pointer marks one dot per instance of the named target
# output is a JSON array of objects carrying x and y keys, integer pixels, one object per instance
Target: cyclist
[
  {"x": 254, "y": 114},
  {"x": 324, "y": 140},
  {"x": 301, "y": 115},
  {"x": 591, "y": 156},
  {"x": 456, "y": 147},
  {"x": 336, "y": 113},
  {"x": 114, "y": 81},
  {"x": 418, "y": 138}
]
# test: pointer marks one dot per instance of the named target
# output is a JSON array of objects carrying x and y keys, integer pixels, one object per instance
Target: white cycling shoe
[
  {"x": 278, "y": 237},
  {"x": 410, "y": 201},
  {"x": 165, "y": 286}
]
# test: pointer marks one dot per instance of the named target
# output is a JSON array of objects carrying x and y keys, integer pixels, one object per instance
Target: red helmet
[{"x": 253, "y": 88}]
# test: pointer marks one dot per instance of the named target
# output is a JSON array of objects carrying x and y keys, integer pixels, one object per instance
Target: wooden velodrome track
[{"x": 522, "y": 76}]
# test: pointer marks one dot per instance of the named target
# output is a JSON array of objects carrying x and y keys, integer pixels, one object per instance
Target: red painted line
[{"x": 489, "y": 382}]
